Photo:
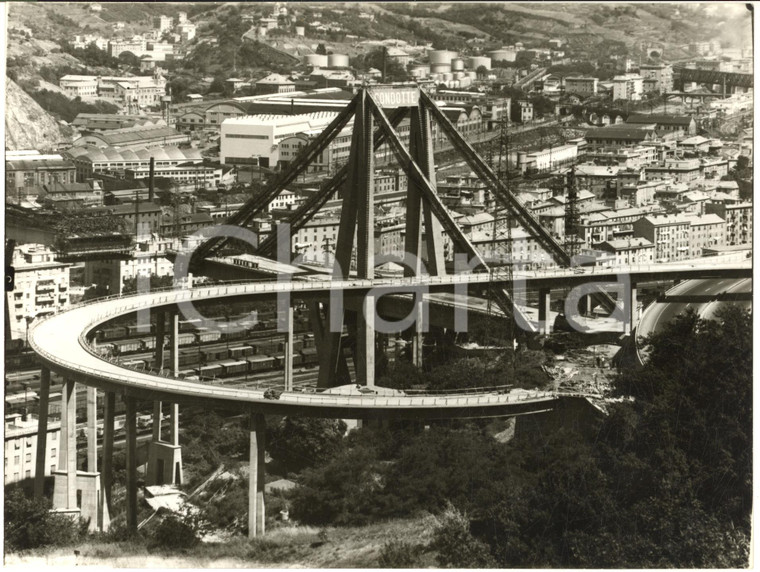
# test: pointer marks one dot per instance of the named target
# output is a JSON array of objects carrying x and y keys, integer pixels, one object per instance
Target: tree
[
  {"x": 321, "y": 49},
  {"x": 30, "y": 524},
  {"x": 300, "y": 442}
]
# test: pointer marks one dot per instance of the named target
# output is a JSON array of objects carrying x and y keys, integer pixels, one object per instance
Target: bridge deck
[{"x": 70, "y": 355}]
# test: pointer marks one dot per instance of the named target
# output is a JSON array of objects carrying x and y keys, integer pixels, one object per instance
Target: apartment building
[
  {"x": 670, "y": 235},
  {"x": 41, "y": 286},
  {"x": 628, "y": 251},
  {"x": 707, "y": 231},
  {"x": 738, "y": 219},
  {"x": 660, "y": 74},
  {"x": 21, "y": 447},
  {"x": 627, "y": 87},
  {"x": 583, "y": 86}
]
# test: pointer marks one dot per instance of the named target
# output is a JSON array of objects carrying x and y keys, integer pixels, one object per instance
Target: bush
[
  {"x": 174, "y": 532},
  {"x": 30, "y": 524},
  {"x": 456, "y": 546},
  {"x": 398, "y": 554}
]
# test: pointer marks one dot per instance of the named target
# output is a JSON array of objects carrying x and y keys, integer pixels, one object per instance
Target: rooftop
[{"x": 660, "y": 119}]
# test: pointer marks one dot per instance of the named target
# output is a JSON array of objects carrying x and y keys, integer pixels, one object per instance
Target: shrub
[
  {"x": 174, "y": 532},
  {"x": 398, "y": 554},
  {"x": 30, "y": 524},
  {"x": 456, "y": 546}
]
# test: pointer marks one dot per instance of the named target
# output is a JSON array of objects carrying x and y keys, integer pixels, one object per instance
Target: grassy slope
[{"x": 350, "y": 547}]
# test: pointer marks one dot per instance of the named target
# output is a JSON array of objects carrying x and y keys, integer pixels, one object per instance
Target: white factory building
[{"x": 256, "y": 139}]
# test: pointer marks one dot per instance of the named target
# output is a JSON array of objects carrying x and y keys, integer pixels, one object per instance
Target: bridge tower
[{"x": 376, "y": 113}]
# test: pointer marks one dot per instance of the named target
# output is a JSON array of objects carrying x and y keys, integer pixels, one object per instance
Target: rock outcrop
[{"x": 28, "y": 126}]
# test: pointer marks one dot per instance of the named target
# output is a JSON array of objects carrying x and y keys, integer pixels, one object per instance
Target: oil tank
[
  {"x": 465, "y": 82},
  {"x": 448, "y": 76},
  {"x": 316, "y": 60},
  {"x": 420, "y": 71},
  {"x": 503, "y": 55},
  {"x": 457, "y": 64},
  {"x": 337, "y": 61},
  {"x": 441, "y": 56},
  {"x": 476, "y": 61},
  {"x": 440, "y": 68},
  {"x": 458, "y": 74},
  {"x": 472, "y": 75}
]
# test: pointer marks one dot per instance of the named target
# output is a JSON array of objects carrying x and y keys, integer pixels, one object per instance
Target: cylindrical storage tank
[
  {"x": 316, "y": 60},
  {"x": 447, "y": 76},
  {"x": 503, "y": 55},
  {"x": 441, "y": 56},
  {"x": 457, "y": 64},
  {"x": 337, "y": 61},
  {"x": 440, "y": 68},
  {"x": 300, "y": 31},
  {"x": 476, "y": 61},
  {"x": 455, "y": 84},
  {"x": 471, "y": 74},
  {"x": 420, "y": 71},
  {"x": 465, "y": 82},
  {"x": 458, "y": 74}
]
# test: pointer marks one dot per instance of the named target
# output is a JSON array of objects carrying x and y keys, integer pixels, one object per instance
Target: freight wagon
[
  {"x": 209, "y": 370},
  {"x": 234, "y": 367},
  {"x": 260, "y": 363},
  {"x": 310, "y": 356}
]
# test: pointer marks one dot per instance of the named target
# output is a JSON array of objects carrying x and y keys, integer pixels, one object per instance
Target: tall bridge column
[
  {"x": 365, "y": 247},
  {"x": 289, "y": 351},
  {"x": 544, "y": 311},
  {"x": 106, "y": 469},
  {"x": 69, "y": 411},
  {"x": 175, "y": 343},
  {"x": 257, "y": 428},
  {"x": 365, "y": 343},
  {"x": 160, "y": 340},
  {"x": 332, "y": 361},
  {"x": 41, "y": 460},
  {"x": 631, "y": 309},
  {"x": 130, "y": 429},
  {"x": 92, "y": 430}
]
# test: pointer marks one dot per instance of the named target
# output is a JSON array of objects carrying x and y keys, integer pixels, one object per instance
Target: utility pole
[{"x": 572, "y": 216}]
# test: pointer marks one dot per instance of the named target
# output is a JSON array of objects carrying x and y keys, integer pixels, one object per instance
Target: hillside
[
  {"x": 303, "y": 547},
  {"x": 27, "y": 125}
]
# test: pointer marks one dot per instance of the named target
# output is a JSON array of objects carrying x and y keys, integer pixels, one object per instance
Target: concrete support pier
[
  {"x": 544, "y": 312},
  {"x": 257, "y": 427},
  {"x": 164, "y": 458},
  {"x": 158, "y": 364},
  {"x": 631, "y": 309},
  {"x": 109, "y": 416},
  {"x": 289, "y": 350},
  {"x": 365, "y": 343},
  {"x": 175, "y": 343},
  {"x": 92, "y": 430},
  {"x": 130, "y": 429},
  {"x": 69, "y": 411},
  {"x": 39, "y": 469}
]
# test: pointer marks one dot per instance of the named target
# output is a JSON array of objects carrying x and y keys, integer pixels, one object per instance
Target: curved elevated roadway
[{"x": 61, "y": 342}]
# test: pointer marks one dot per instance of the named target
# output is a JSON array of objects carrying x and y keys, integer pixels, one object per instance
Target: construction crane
[{"x": 501, "y": 232}]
